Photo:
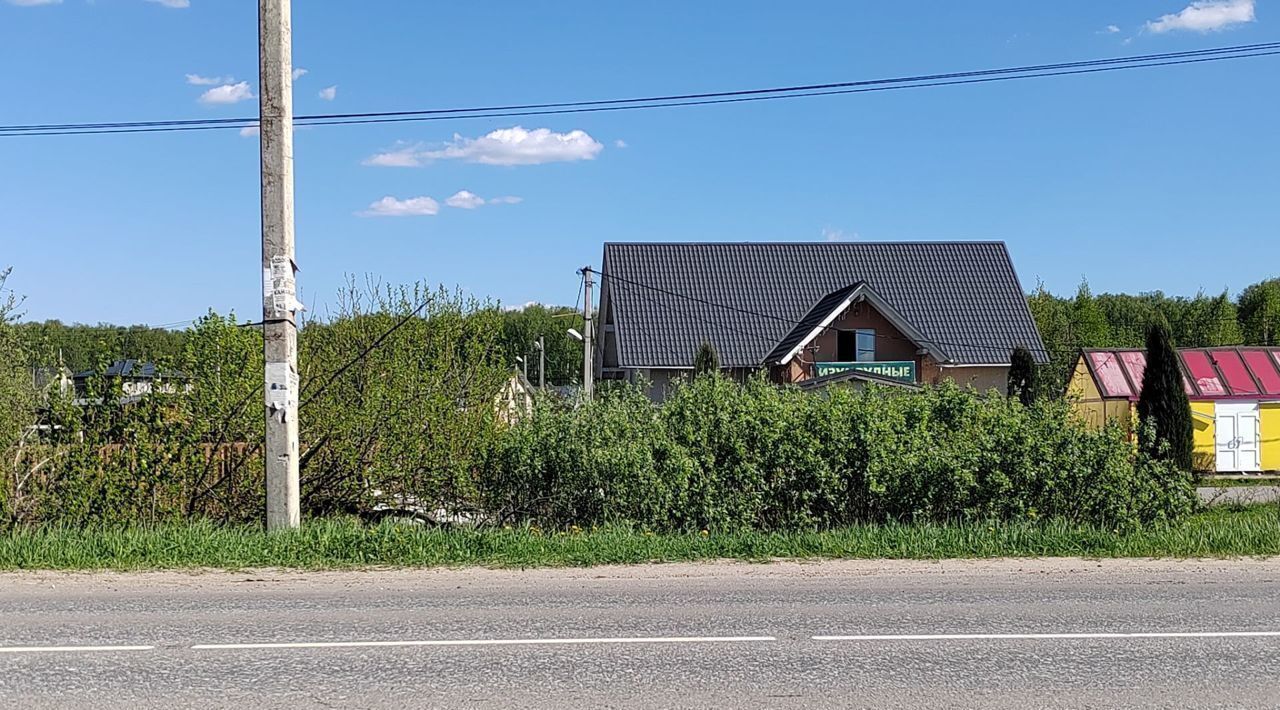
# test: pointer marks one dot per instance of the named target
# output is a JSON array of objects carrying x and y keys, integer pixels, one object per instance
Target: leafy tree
[
  {"x": 404, "y": 425},
  {"x": 1163, "y": 410},
  {"x": 82, "y": 347},
  {"x": 521, "y": 328},
  {"x": 706, "y": 360},
  {"x": 1089, "y": 326},
  {"x": 17, "y": 393},
  {"x": 1022, "y": 376},
  {"x": 1053, "y": 320},
  {"x": 1128, "y": 316},
  {"x": 1260, "y": 313},
  {"x": 1215, "y": 322}
]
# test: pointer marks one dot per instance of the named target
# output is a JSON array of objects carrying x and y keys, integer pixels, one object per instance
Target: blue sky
[{"x": 1139, "y": 180}]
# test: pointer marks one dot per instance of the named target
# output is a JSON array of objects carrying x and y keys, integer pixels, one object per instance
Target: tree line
[
  {"x": 1116, "y": 320},
  {"x": 1066, "y": 324},
  {"x": 79, "y": 347}
]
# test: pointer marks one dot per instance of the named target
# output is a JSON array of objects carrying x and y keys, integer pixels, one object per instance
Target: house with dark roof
[
  {"x": 914, "y": 312},
  {"x": 135, "y": 378}
]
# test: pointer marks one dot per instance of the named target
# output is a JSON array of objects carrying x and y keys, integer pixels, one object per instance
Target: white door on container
[{"x": 1237, "y": 434}]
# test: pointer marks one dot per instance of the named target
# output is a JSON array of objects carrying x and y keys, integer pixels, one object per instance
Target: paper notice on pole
[
  {"x": 283, "y": 294},
  {"x": 281, "y": 267},
  {"x": 281, "y": 386}
]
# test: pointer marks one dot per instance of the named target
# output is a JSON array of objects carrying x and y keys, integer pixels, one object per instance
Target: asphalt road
[
  {"x": 1002, "y": 634},
  {"x": 1238, "y": 495}
]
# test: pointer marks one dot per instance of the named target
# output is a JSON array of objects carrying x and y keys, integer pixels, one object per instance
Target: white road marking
[
  {"x": 486, "y": 642},
  {"x": 1083, "y": 635},
  {"x": 72, "y": 649}
]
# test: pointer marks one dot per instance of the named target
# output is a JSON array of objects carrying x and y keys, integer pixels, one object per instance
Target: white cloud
[
  {"x": 1110, "y": 30},
  {"x": 329, "y": 93},
  {"x": 467, "y": 200},
  {"x": 620, "y": 143},
  {"x": 518, "y": 146},
  {"x": 172, "y": 3},
  {"x": 406, "y": 156},
  {"x": 411, "y": 207},
  {"x": 227, "y": 94},
  {"x": 837, "y": 235},
  {"x": 197, "y": 80},
  {"x": 463, "y": 199},
  {"x": 1205, "y": 16},
  {"x": 249, "y": 131},
  {"x": 299, "y": 73},
  {"x": 33, "y": 3},
  {"x": 505, "y": 146}
]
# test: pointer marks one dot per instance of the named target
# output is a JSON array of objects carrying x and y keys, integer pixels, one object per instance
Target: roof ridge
[{"x": 808, "y": 243}]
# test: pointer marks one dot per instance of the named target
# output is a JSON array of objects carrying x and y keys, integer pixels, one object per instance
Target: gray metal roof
[
  {"x": 129, "y": 369},
  {"x": 746, "y": 298}
]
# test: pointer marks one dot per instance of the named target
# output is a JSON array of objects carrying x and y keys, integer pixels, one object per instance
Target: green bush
[
  {"x": 400, "y": 427},
  {"x": 725, "y": 456},
  {"x": 412, "y": 424}
]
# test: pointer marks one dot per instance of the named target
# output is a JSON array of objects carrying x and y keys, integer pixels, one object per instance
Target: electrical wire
[
  {"x": 582, "y": 281},
  {"x": 770, "y": 341},
  {"x": 673, "y": 97},
  {"x": 707, "y": 320},
  {"x": 679, "y": 97},
  {"x": 669, "y": 101},
  {"x": 377, "y": 342}
]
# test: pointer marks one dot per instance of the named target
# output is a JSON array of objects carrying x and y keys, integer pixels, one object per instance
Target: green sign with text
[{"x": 901, "y": 370}]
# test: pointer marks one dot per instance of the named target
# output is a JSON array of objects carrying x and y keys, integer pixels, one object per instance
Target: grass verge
[
  {"x": 1237, "y": 481},
  {"x": 334, "y": 544}
]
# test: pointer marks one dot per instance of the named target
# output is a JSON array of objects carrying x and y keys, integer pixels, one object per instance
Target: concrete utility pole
[
  {"x": 542, "y": 363},
  {"x": 279, "y": 287},
  {"x": 588, "y": 367}
]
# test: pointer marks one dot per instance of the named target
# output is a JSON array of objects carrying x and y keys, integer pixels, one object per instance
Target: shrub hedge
[
  {"x": 715, "y": 455},
  {"x": 725, "y": 456}
]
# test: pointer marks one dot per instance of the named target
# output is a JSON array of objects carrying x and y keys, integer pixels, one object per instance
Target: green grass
[
  {"x": 1235, "y": 482},
  {"x": 1226, "y": 532}
]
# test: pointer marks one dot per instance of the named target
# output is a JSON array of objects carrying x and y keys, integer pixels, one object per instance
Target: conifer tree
[
  {"x": 1022, "y": 376},
  {"x": 1164, "y": 413},
  {"x": 706, "y": 360}
]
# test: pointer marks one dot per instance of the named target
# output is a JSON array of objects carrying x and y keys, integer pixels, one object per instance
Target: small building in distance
[
  {"x": 1234, "y": 394},
  {"x": 136, "y": 379},
  {"x": 516, "y": 398}
]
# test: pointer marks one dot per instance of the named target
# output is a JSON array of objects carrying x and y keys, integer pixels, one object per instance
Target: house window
[
  {"x": 856, "y": 345},
  {"x": 866, "y": 344}
]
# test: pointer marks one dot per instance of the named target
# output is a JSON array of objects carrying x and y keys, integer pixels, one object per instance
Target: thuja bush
[{"x": 716, "y": 454}]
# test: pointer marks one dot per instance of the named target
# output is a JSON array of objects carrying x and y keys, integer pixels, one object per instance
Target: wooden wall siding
[{"x": 891, "y": 344}]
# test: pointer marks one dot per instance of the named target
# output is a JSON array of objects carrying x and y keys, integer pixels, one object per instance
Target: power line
[
  {"x": 582, "y": 280},
  {"x": 671, "y": 97},
  {"x": 705, "y": 319},
  {"x": 1050, "y": 352},
  {"x": 377, "y": 342},
  {"x": 671, "y": 101}
]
